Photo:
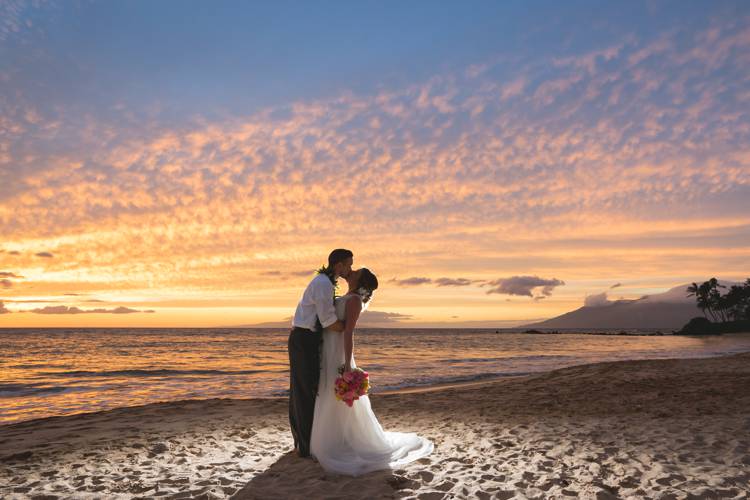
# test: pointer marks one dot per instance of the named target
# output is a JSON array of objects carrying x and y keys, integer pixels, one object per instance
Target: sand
[{"x": 641, "y": 429}]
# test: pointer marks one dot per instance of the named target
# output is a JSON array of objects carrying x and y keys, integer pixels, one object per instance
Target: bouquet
[{"x": 351, "y": 385}]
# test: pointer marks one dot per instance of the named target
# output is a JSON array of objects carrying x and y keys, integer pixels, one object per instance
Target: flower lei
[
  {"x": 324, "y": 270},
  {"x": 364, "y": 293}
]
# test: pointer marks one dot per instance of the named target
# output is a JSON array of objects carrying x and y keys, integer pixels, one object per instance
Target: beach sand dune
[{"x": 656, "y": 429}]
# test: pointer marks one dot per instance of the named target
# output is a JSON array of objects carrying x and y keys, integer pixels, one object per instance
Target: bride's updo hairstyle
[{"x": 366, "y": 284}]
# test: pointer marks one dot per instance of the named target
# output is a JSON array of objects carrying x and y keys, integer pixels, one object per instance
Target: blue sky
[{"x": 237, "y": 57}]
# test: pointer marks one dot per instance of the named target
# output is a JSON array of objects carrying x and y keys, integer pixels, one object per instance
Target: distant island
[
  {"x": 685, "y": 309},
  {"x": 666, "y": 311}
]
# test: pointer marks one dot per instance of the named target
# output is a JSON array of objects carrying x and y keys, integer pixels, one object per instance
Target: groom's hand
[{"x": 338, "y": 326}]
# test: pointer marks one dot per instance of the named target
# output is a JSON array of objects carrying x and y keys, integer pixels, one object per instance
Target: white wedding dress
[{"x": 349, "y": 440}]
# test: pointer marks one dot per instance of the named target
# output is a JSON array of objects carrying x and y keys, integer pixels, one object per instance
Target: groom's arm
[
  {"x": 338, "y": 326},
  {"x": 325, "y": 309}
]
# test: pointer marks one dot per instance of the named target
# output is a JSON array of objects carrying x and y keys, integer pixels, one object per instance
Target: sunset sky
[{"x": 191, "y": 163}]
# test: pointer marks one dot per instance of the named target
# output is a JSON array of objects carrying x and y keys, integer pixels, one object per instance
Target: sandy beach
[{"x": 637, "y": 429}]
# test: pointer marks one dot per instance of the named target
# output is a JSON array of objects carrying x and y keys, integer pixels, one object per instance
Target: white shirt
[{"x": 317, "y": 300}]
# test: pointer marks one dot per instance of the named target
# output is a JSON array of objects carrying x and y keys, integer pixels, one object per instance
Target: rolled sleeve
[{"x": 324, "y": 307}]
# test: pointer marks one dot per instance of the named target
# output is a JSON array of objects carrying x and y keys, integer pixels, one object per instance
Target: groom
[{"x": 315, "y": 312}]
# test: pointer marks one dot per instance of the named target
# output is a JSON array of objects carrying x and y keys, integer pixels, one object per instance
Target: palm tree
[
  {"x": 734, "y": 305},
  {"x": 738, "y": 301},
  {"x": 716, "y": 303},
  {"x": 697, "y": 291}
]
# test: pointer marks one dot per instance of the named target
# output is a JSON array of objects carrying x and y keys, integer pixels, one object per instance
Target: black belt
[{"x": 307, "y": 330}]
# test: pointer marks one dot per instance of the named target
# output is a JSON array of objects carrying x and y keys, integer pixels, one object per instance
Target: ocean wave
[
  {"x": 35, "y": 365},
  {"x": 163, "y": 372},
  {"x": 411, "y": 383},
  {"x": 18, "y": 390},
  {"x": 538, "y": 357}
]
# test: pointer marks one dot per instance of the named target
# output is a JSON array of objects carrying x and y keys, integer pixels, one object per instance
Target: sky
[{"x": 192, "y": 163}]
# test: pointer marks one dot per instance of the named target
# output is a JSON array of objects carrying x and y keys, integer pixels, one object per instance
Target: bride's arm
[{"x": 353, "y": 308}]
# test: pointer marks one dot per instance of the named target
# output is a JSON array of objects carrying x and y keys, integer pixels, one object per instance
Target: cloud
[
  {"x": 3, "y": 309},
  {"x": 44, "y": 254},
  {"x": 14, "y": 252},
  {"x": 597, "y": 300},
  {"x": 524, "y": 285},
  {"x": 616, "y": 285},
  {"x": 302, "y": 273},
  {"x": 16, "y": 17},
  {"x": 454, "y": 282},
  {"x": 383, "y": 317},
  {"x": 7, "y": 274},
  {"x": 30, "y": 301},
  {"x": 76, "y": 310},
  {"x": 427, "y": 170},
  {"x": 6, "y": 283},
  {"x": 414, "y": 281},
  {"x": 513, "y": 88}
]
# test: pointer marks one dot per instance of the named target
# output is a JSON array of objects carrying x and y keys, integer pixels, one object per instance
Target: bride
[{"x": 349, "y": 440}]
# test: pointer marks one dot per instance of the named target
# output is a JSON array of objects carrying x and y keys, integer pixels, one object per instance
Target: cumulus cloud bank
[{"x": 3, "y": 309}]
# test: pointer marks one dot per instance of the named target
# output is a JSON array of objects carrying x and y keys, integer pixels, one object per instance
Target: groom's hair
[{"x": 338, "y": 255}]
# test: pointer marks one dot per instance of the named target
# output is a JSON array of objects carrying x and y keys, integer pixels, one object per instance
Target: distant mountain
[{"x": 668, "y": 310}]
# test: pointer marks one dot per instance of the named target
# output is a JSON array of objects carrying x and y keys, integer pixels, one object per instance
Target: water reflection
[{"x": 56, "y": 372}]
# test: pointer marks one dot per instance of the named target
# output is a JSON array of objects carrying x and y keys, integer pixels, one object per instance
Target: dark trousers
[{"x": 304, "y": 375}]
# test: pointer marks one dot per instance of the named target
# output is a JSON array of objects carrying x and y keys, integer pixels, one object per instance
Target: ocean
[{"x": 48, "y": 372}]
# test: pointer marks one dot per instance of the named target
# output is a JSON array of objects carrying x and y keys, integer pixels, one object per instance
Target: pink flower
[{"x": 349, "y": 386}]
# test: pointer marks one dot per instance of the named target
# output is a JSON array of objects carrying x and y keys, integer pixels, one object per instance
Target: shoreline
[
  {"x": 419, "y": 389},
  {"x": 645, "y": 428}
]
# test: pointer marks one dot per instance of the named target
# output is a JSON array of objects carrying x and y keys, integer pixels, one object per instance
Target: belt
[{"x": 302, "y": 329}]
